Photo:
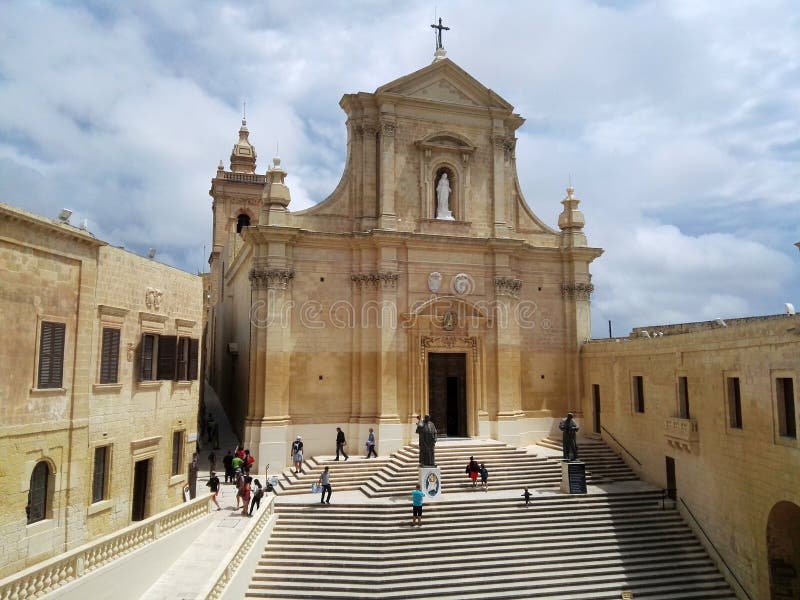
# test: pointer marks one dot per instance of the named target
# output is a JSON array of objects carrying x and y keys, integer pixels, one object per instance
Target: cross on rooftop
[{"x": 440, "y": 27}]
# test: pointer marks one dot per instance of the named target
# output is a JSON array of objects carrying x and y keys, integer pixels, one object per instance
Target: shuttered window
[
  {"x": 146, "y": 355},
  {"x": 100, "y": 476},
  {"x": 37, "y": 493},
  {"x": 182, "y": 360},
  {"x": 167, "y": 345},
  {"x": 109, "y": 356},
  {"x": 194, "y": 356},
  {"x": 51, "y": 355},
  {"x": 177, "y": 452}
]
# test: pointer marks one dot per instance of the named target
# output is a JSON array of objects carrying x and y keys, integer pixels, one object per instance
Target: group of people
[
  {"x": 341, "y": 442},
  {"x": 238, "y": 464},
  {"x": 474, "y": 469}
]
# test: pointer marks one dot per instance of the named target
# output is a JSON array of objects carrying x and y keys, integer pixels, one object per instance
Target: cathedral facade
[{"x": 423, "y": 284}]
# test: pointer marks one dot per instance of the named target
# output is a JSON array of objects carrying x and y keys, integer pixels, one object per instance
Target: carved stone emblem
[
  {"x": 449, "y": 321},
  {"x": 435, "y": 281},
  {"x": 462, "y": 284},
  {"x": 152, "y": 298}
]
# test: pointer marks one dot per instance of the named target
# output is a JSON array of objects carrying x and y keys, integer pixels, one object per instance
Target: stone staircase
[
  {"x": 590, "y": 547},
  {"x": 601, "y": 460},
  {"x": 509, "y": 468}
]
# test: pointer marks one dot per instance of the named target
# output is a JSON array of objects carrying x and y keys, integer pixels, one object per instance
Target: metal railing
[
  {"x": 711, "y": 543},
  {"x": 611, "y": 435}
]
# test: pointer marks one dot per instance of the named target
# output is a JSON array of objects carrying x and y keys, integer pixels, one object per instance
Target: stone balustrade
[
  {"x": 231, "y": 563},
  {"x": 49, "y": 575},
  {"x": 682, "y": 434}
]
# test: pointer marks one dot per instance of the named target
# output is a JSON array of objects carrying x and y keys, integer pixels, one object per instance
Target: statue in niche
[{"x": 443, "y": 198}]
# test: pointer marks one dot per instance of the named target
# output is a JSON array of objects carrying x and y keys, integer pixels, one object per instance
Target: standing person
[
  {"x": 569, "y": 444},
  {"x": 325, "y": 484},
  {"x": 472, "y": 470},
  {"x": 213, "y": 485},
  {"x": 212, "y": 463},
  {"x": 371, "y": 444},
  {"x": 210, "y": 427},
  {"x": 527, "y": 495},
  {"x": 258, "y": 494},
  {"x": 227, "y": 462},
  {"x": 244, "y": 491},
  {"x": 340, "y": 443},
  {"x": 484, "y": 477},
  {"x": 237, "y": 464},
  {"x": 248, "y": 462},
  {"x": 297, "y": 455},
  {"x": 417, "y": 496}
]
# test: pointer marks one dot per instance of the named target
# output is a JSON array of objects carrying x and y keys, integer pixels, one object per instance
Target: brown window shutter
[
  {"x": 51, "y": 355},
  {"x": 194, "y": 352},
  {"x": 146, "y": 357},
  {"x": 109, "y": 356},
  {"x": 182, "y": 359},
  {"x": 167, "y": 344}
]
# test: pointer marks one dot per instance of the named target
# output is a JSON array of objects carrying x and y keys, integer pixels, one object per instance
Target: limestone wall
[
  {"x": 54, "y": 272},
  {"x": 730, "y": 477}
]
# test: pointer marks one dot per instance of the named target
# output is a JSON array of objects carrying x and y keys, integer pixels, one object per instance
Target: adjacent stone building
[
  {"x": 99, "y": 386},
  {"x": 423, "y": 284},
  {"x": 710, "y": 412}
]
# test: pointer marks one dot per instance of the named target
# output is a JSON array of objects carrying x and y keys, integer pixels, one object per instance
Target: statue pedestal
[
  {"x": 573, "y": 477},
  {"x": 430, "y": 482}
]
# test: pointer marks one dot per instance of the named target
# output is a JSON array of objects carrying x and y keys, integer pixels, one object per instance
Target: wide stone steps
[
  {"x": 559, "y": 547},
  {"x": 509, "y": 468}
]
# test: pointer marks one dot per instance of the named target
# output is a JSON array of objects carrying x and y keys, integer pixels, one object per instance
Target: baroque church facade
[{"x": 423, "y": 284}]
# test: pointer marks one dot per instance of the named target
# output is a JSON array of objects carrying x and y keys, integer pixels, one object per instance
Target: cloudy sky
[{"x": 679, "y": 123}]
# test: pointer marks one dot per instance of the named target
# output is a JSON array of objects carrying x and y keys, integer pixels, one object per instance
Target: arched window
[
  {"x": 242, "y": 220},
  {"x": 38, "y": 493}
]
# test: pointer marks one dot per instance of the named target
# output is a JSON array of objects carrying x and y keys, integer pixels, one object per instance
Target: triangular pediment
[{"x": 445, "y": 82}]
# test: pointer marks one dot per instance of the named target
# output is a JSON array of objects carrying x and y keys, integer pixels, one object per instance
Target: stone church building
[{"x": 424, "y": 284}]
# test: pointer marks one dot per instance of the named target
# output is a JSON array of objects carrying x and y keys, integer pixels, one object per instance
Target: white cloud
[{"x": 662, "y": 112}]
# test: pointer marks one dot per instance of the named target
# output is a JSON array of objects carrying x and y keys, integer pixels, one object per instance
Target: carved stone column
[{"x": 388, "y": 216}]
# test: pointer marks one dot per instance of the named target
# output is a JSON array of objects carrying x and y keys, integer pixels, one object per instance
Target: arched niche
[
  {"x": 242, "y": 220},
  {"x": 441, "y": 152},
  {"x": 783, "y": 550}
]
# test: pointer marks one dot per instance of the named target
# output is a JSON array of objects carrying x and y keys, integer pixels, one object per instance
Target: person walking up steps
[
  {"x": 325, "y": 484},
  {"x": 527, "y": 495},
  {"x": 417, "y": 497},
  {"x": 472, "y": 470},
  {"x": 227, "y": 462},
  {"x": 340, "y": 443},
  {"x": 484, "y": 472}
]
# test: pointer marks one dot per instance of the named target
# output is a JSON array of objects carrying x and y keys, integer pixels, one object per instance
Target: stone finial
[
  {"x": 243, "y": 156},
  {"x": 276, "y": 192},
  {"x": 571, "y": 218}
]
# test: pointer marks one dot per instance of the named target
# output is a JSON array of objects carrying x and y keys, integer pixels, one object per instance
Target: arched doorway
[{"x": 783, "y": 551}]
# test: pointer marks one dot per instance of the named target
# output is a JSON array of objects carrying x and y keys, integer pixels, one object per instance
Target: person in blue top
[{"x": 417, "y": 496}]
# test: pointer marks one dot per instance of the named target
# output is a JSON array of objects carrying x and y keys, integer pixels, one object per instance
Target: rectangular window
[
  {"x": 182, "y": 360},
  {"x": 177, "y": 452},
  {"x": 147, "y": 350},
  {"x": 638, "y": 393},
  {"x": 683, "y": 398},
  {"x": 167, "y": 345},
  {"x": 787, "y": 425},
  {"x": 194, "y": 357},
  {"x": 51, "y": 355},
  {"x": 109, "y": 356},
  {"x": 100, "y": 477},
  {"x": 734, "y": 402}
]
